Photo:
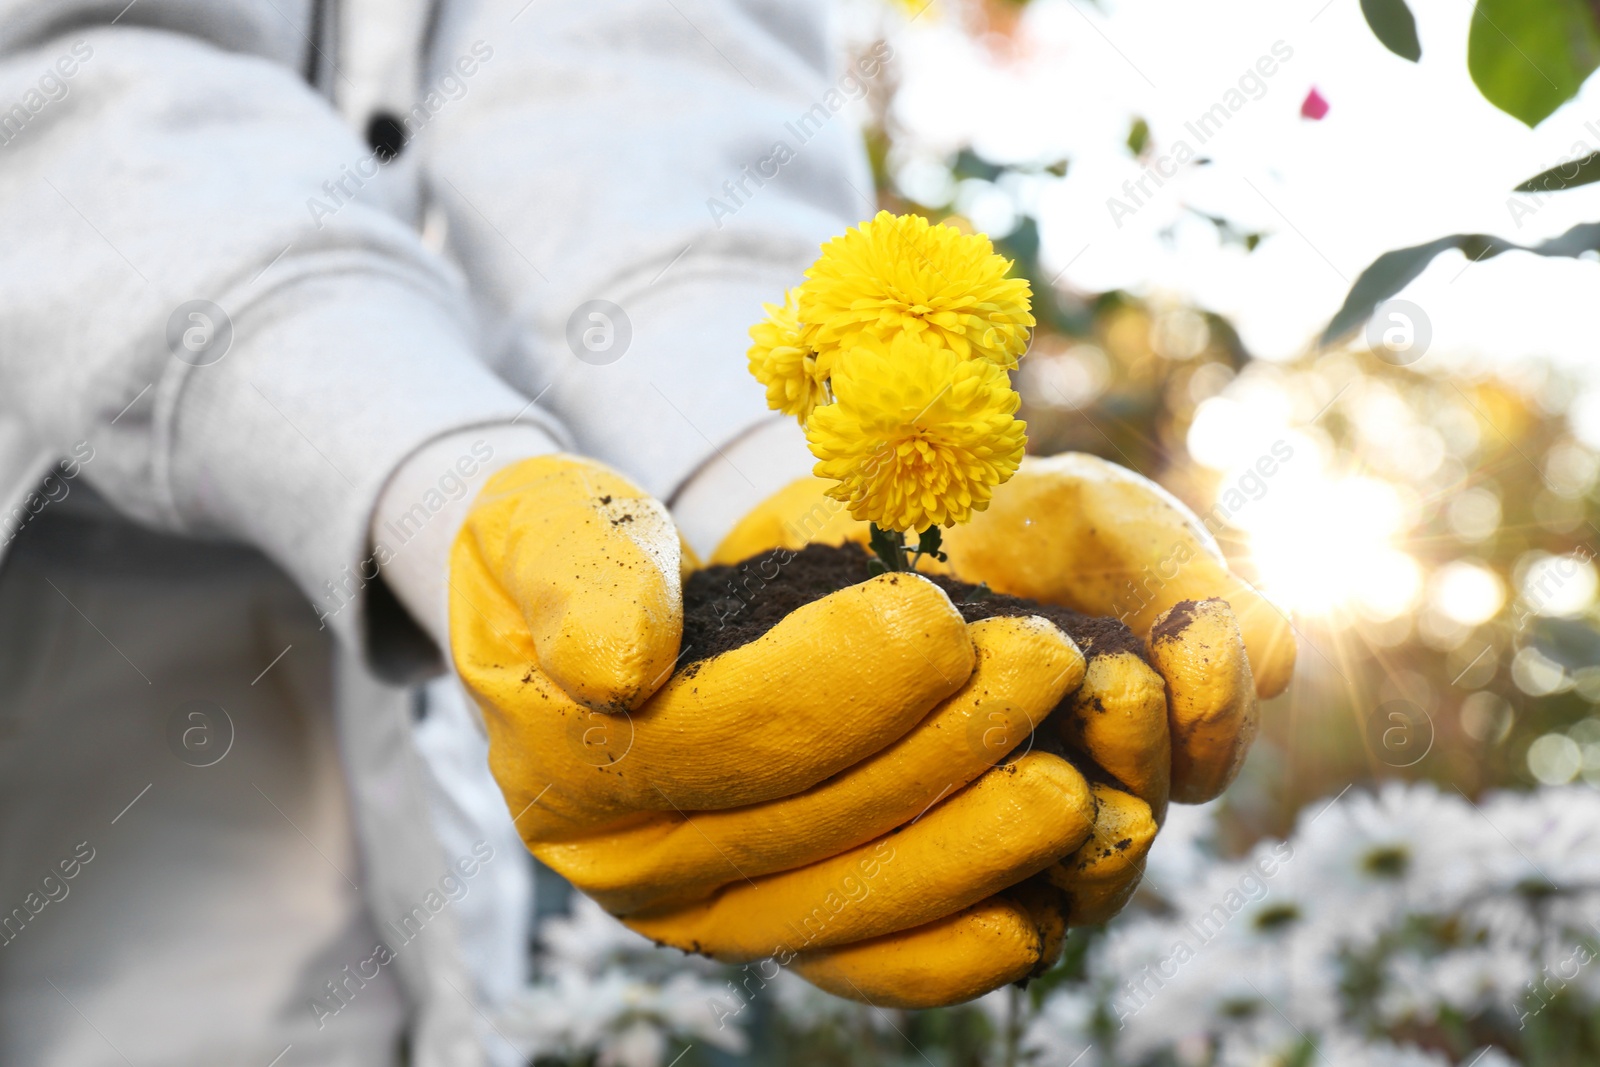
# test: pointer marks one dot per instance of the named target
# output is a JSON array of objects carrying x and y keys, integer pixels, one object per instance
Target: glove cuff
[{"x": 415, "y": 523}]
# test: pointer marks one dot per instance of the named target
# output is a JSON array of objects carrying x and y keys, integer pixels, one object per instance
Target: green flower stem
[{"x": 890, "y": 548}]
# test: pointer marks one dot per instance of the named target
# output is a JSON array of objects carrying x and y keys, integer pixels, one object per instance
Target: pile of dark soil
[{"x": 726, "y": 607}]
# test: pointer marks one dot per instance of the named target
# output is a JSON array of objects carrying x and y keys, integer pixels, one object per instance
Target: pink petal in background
[{"x": 1313, "y": 106}]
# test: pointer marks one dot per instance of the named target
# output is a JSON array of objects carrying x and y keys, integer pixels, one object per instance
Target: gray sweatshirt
[{"x": 163, "y": 159}]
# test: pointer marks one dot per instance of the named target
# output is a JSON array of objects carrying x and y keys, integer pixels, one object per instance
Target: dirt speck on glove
[{"x": 1176, "y": 621}]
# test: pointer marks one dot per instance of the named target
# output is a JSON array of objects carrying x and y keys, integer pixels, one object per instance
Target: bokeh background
[{"x": 1433, "y": 767}]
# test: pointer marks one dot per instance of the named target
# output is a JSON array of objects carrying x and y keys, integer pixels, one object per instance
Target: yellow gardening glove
[
  {"x": 1078, "y": 532},
  {"x": 751, "y": 805}
]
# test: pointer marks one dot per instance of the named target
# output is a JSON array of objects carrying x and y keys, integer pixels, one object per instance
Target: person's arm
[
  {"x": 245, "y": 363},
  {"x": 682, "y": 161}
]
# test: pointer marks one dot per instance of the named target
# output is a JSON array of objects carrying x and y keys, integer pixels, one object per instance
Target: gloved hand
[
  {"x": 744, "y": 808},
  {"x": 1077, "y": 531}
]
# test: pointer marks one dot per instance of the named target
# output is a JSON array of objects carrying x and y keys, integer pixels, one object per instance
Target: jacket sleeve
[
  {"x": 244, "y": 364},
  {"x": 679, "y": 160}
]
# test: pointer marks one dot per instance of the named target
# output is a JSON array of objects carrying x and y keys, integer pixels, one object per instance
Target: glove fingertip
[
  {"x": 600, "y": 582},
  {"x": 947, "y": 961}
]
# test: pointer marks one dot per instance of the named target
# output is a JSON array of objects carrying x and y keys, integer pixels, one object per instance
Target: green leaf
[
  {"x": 1393, "y": 271},
  {"x": 979, "y": 592},
  {"x": 1393, "y": 24},
  {"x": 1138, "y": 136},
  {"x": 1569, "y": 642},
  {"x": 1021, "y": 245},
  {"x": 1568, "y": 175},
  {"x": 1528, "y": 57},
  {"x": 968, "y": 164},
  {"x": 1231, "y": 234}
]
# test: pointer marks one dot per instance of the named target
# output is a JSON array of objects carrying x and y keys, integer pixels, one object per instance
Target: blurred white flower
[
  {"x": 611, "y": 994},
  {"x": 1379, "y": 915},
  {"x": 1472, "y": 981},
  {"x": 637, "y": 1045},
  {"x": 1405, "y": 845},
  {"x": 1348, "y": 1050},
  {"x": 1183, "y": 849},
  {"x": 1062, "y": 1031}
]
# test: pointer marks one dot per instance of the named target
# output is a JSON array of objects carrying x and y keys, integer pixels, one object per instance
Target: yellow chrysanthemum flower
[
  {"x": 916, "y": 435},
  {"x": 898, "y": 274},
  {"x": 783, "y": 363}
]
